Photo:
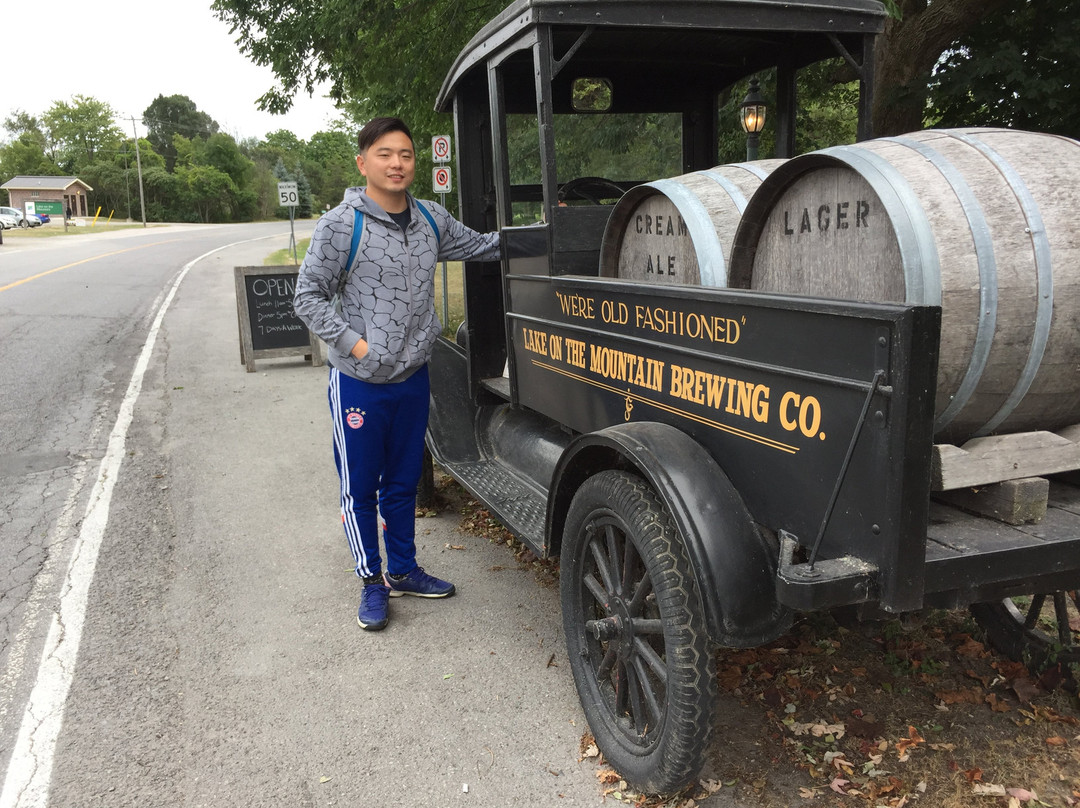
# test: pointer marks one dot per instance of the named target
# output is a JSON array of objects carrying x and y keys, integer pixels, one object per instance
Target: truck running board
[{"x": 521, "y": 507}]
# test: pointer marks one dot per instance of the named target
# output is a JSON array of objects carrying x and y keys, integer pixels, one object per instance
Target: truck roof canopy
[{"x": 667, "y": 50}]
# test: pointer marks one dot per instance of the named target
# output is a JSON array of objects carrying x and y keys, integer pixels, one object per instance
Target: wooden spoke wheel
[
  {"x": 1041, "y": 630},
  {"x": 635, "y": 632}
]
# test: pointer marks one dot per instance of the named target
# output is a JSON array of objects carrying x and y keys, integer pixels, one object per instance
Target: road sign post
[
  {"x": 440, "y": 183},
  {"x": 289, "y": 196}
]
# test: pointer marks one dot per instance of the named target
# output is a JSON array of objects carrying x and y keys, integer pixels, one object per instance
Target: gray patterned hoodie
[{"x": 388, "y": 297}]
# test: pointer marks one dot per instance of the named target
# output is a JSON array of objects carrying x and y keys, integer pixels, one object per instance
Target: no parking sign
[
  {"x": 440, "y": 148},
  {"x": 440, "y": 179}
]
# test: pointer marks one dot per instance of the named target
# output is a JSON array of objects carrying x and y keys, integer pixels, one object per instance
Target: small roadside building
[{"x": 51, "y": 195}]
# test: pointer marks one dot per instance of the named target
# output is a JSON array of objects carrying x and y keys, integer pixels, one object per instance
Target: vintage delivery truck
[{"x": 723, "y": 395}]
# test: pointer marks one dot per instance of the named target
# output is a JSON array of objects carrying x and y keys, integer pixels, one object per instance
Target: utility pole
[
  {"x": 127, "y": 183},
  {"x": 138, "y": 165}
]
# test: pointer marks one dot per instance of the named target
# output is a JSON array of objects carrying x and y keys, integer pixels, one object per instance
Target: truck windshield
[{"x": 620, "y": 147}]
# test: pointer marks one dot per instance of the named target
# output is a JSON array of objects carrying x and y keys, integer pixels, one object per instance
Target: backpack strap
[
  {"x": 431, "y": 221},
  {"x": 357, "y": 229}
]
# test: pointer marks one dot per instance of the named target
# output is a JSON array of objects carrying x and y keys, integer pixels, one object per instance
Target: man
[{"x": 379, "y": 346}]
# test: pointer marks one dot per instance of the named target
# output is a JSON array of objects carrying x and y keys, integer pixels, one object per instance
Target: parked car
[
  {"x": 7, "y": 221},
  {"x": 21, "y": 219},
  {"x": 44, "y": 217}
]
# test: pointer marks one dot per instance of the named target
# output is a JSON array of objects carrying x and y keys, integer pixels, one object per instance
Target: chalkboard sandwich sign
[{"x": 264, "y": 310}]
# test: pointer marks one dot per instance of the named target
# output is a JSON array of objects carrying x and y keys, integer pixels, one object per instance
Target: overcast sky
[{"x": 127, "y": 53}]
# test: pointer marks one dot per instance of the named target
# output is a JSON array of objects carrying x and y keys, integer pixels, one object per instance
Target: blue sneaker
[
  {"x": 418, "y": 583},
  {"x": 373, "y": 602}
]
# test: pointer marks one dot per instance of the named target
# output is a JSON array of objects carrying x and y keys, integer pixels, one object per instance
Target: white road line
[{"x": 26, "y": 784}]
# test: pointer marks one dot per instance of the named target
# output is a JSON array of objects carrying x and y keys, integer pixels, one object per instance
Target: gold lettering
[
  {"x": 787, "y": 400},
  {"x": 576, "y": 306}
]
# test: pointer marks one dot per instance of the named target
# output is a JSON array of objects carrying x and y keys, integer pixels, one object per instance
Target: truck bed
[{"x": 973, "y": 558}]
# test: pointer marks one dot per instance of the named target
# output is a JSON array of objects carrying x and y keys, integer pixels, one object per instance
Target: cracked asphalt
[{"x": 219, "y": 662}]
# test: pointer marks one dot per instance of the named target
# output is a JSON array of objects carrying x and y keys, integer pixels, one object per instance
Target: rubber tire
[
  {"x": 24, "y": 224},
  {"x": 670, "y": 754},
  {"x": 1003, "y": 623}
]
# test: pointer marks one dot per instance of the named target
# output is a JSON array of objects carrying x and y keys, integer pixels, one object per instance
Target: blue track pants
[{"x": 379, "y": 449}]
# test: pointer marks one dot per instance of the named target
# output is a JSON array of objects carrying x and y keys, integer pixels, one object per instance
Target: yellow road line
[{"x": 83, "y": 261}]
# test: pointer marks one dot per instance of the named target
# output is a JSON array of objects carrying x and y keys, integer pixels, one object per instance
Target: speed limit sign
[
  {"x": 288, "y": 195},
  {"x": 440, "y": 180}
]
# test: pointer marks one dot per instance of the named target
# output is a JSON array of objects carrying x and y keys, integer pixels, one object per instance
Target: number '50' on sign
[
  {"x": 440, "y": 180},
  {"x": 288, "y": 195}
]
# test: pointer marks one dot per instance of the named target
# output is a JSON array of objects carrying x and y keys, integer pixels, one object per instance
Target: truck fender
[{"x": 733, "y": 562}]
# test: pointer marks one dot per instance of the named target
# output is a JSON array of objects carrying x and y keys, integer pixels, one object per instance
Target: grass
[{"x": 56, "y": 228}]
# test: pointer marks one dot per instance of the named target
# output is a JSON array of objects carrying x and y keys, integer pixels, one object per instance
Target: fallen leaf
[
  {"x": 1056, "y": 740},
  {"x": 712, "y": 786},
  {"x": 455, "y": 547},
  {"x": 587, "y": 742},
  {"x": 996, "y": 704},
  {"x": 1025, "y": 689},
  {"x": 838, "y": 784},
  {"x": 1009, "y": 669},
  {"x": 730, "y": 677},
  {"x": 905, "y": 744},
  {"x": 1022, "y": 794},
  {"x": 965, "y": 696},
  {"x": 817, "y": 729},
  {"x": 807, "y": 793},
  {"x": 973, "y": 775},
  {"x": 1049, "y": 714},
  {"x": 609, "y": 776},
  {"x": 971, "y": 647},
  {"x": 988, "y": 790}
]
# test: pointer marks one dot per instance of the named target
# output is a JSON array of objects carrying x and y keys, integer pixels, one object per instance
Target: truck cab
[{"x": 706, "y": 461}]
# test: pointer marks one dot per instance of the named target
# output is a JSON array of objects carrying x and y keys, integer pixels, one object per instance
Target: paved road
[{"x": 213, "y": 658}]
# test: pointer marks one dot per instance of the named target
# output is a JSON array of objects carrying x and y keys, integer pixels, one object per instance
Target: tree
[
  {"x": 217, "y": 178},
  {"x": 303, "y": 192},
  {"x": 378, "y": 65},
  {"x": 913, "y": 42},
  {"x": 175, "y": 115},
  {"x": 24, "y": 156},
  {"x": 372, "y": 50},
  {"x": 1014, "y": 69},
  {"x": 330, "y": 163},
  {"x": 22, "y": 124},
  {"x": 162, "y": 191},
  {"x": 80, "y": 128},
  {"x": 211, "y": 194}
]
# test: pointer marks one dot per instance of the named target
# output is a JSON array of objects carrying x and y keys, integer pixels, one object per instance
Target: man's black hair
[{"x": 376, "y": 128}]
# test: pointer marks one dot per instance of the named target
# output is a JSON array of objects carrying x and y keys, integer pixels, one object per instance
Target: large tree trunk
[{"x": 907, "y": 52}]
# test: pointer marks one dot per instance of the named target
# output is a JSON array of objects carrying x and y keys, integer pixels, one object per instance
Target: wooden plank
[
  {"x": 1014, "y": 502},
  {"x": 994, "y": 459}
]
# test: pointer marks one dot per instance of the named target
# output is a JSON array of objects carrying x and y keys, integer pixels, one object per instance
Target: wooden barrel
[
  {"x": 679, "y": 230},
  {"x": 979, "y": 221}
]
